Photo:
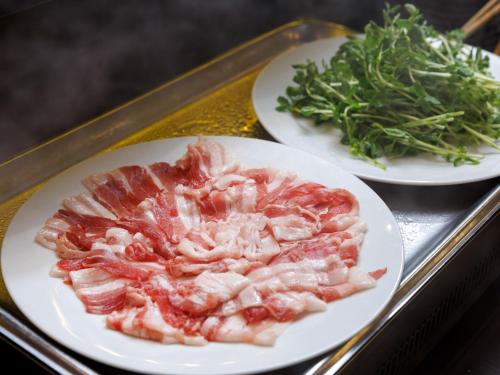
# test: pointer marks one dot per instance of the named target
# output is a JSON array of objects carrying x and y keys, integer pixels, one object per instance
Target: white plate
[
  {"x": 324, "y": 141},
  {"x": 55, "y": 309}
]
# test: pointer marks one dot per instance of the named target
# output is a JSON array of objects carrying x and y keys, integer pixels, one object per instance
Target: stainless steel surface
[
  {"x": 25, "y": 338},
  {"x": 434, "y": 309},
  {"x": 427, "y": 215},
  {"x": 474, "y": 345},
  {"x": 435, "y": 222},
  {"x": 419, "y": 275}
]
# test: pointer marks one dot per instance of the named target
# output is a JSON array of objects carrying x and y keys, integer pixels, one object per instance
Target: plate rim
[
  {"x": 391, "y": 180},
  {"x": 117, "y": 364}
]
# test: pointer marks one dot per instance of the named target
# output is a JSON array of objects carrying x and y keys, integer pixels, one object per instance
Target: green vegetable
[{"x": 402, "y": 89}]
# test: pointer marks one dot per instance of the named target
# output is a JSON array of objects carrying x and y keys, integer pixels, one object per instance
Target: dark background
[{"x": 65, "y": 62}]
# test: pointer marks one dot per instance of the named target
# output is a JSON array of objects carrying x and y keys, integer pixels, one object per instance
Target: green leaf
[{"x": 396, "y": 93}]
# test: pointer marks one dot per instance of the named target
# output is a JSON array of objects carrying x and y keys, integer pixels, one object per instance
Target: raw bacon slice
[
  {"x": 284, "y": 307},
  {"x": 111, "y": 191},
  {"x": 203, "y": 250},
  {"x": 148, "y": 322},
  {"x": 99, "y": 290},
  {"x": 48, "y": 235},
  {"x": 237, "y": 329},
  {"x": 206, "y": 292},
  {"x": 85, "y": 204},
  {"x": 109, "y": 262},
  {"x": 184, "y": 266},
  {"x": 240, "y": 235},
  {"x": 139, "y": 182}
]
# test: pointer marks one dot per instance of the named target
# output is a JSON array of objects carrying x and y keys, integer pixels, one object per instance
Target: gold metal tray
[{"x": 215, "y": 99}]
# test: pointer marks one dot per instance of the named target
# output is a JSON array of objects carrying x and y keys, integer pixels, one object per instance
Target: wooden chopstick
[
  {"x": 480, "y": 12},
  {"x": 497, "y": 49},
  {"x": 486, "y": 13}
]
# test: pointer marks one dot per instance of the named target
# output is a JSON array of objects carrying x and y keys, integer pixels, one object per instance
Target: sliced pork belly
[
  {"x": 284, "y": 307},
  {"x": 203, "y": 250},
  {"x": 139, "y": 182},
  {"x": 304, "y": 278},
  {"x": 66, "y": 248},
  {"x": 240, "y": 235},
  {"x": 204, "y": 160},
  {"x": 121, "y": 190},
  {"x": 219, "y": 204},
  {"x": 47, "y": 236},
  {"x": 292, "y": 228},
  {"x": 111, "y": 192},
  {"x": 111, "y": 263},
  {"x": 100, "y": 291},
  {"x": 235, "y": 328},
  {"x": 357, "y": 281},
  {"x": 187, "y": 211},
  {"x": 85, "y": 204},
  {"x": 184, "y": 266},
  {"x": 148, "y": 322},
  {"x": 207, "y": 291},
  {"x": 319, "y": 247}
]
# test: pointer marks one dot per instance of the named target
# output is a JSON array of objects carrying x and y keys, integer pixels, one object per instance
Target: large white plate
[
  {"x": 324, "y": 141},
  {"x": 55, "y": 309}
]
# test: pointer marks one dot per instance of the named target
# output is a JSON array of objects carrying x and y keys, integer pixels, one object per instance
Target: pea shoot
[{"x": 402, "y": 89}]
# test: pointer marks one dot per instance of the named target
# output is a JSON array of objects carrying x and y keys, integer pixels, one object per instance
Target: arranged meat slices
[{"x": 204, "y": 250}]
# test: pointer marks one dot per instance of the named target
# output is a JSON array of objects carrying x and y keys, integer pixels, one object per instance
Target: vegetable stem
[{"x": 401, "y": 90}]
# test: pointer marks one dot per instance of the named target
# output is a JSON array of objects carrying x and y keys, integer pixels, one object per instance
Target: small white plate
[
  {"x": 54, "y": 308},
  {"x": 324, "y": 141}
]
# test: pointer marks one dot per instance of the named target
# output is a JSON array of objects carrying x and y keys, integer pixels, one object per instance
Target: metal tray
[{"x": 440, "y": 225}]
